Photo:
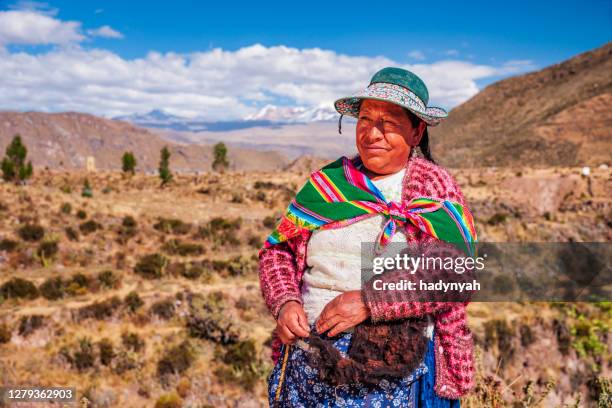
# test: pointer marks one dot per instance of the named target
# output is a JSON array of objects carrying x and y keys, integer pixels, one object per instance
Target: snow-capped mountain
[
  {"x": 297, "y": 114},
  {"x": 269, "y": 115}
]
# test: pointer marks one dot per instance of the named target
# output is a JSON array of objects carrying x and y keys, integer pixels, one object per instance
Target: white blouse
[{"x": 334, "y": 256}]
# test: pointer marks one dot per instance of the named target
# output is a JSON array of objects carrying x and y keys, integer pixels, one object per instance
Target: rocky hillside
[
  {"x": 65, "y": 140},
  {"x": 557, "y": 116}
]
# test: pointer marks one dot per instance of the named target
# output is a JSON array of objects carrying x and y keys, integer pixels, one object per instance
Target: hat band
[{"x": 398, "y": 93}]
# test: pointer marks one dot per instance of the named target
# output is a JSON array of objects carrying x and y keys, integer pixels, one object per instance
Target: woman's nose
[{"x": 375, "y": 133}]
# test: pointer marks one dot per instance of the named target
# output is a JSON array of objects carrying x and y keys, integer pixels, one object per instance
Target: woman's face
[{"x": 385, "y": 135}]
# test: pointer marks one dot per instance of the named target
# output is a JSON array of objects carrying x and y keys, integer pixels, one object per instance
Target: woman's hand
[
  {"x": 345, "y": 311},
  {"x": 292, "y": 322}
]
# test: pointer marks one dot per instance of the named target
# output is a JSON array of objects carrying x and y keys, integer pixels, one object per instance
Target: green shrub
[
  {"x": 78, "y": 284},
  {"x": 66, "y": 208},
  {"x": 47, "y": 249},
  {"x": 497, "y": 218},
  {"x": 8, "y": 245},
  {"x": 31, "y": 232},
  {"x": 172, "y": 225},
  {"x": 208, "y": 319},
  {"x": 269, "y": 222},
  {"x": 193, "y": 272},
  {"x": 563, "y": 335},
  {"x": 87, "y": 190},
  {"x": 240, "y": 354},
  {"x": 589, "y": 336},
  {"x": 240, "y": 265},
  {"x": 128, "y": 228},
  {"x": 171, "y": 400},
  {"x": 220, "y": 224},
  {"x": 72, "y": 234},
  {"x": 176, "y": 360},
  {"x": 81, "y": 214},
  {"x": 221, "y": 231},
  {"x": 498, "y": 332},
  {"x": 241, "y": 358},
  {"x": 84, "y": 357},
  {"x": 177, "y": 247},
  {"x": 5, "y": 333},
  {"x": 106, "y": 351},
  {"x": 18, "y": 288},
  {"x": 124, "y": 361},
  {"x": 133, "y": 301},
  {"x": 99, "y": 310},
  {"x": 108, "y": 279},
  {"x": 151, "y": 266},
  {"x": 52, "y": 288},
  {"x": 129, "y": 222},
  {"x": 264, "y": 184},
  {"x": 255, "y": 241},
  {"x": 81, "y": 280},
  {"x": 132, "y": 341},
  {"x": 89, "y": 226},
  {"x": 28, "y": 324},
  {"x": 163, "y": 308}
]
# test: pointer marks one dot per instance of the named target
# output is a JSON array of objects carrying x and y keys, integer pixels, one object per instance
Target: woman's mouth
[{"x": 375, "y": 148}]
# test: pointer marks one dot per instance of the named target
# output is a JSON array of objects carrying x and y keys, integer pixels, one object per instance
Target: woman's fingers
[
  {"x": 339, "y": 328},
  {"x": 329, "y": 311},
  {"x": 303, "y": 330},
  {"x": 293, "y": 324},
  {"x": 327, "y": 323},
  {"x": 286, "y": 336}
]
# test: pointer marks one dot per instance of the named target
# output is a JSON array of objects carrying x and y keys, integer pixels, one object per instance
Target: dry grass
[{"x": 208, "y": 206}]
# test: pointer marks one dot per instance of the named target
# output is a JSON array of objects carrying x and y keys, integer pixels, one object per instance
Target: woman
[{"x": 310, "y": 266}]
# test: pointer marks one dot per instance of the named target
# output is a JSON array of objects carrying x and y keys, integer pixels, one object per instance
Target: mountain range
[
  {"x": 557, "y": 116},
  {"x": 268, "y": 116},
  {"x": 66, "y": 140}
]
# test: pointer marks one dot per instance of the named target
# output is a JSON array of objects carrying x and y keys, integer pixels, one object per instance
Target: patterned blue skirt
[{"x": 302, "y": 388}]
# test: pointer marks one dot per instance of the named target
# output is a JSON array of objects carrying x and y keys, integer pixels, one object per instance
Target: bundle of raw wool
[{"x": 378, "y": 351}]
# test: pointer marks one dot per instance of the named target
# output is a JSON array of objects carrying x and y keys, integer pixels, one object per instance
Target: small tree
[
  {"x": 220, "y": 153},
  {"x": 128, "y": 162},
  {"x": 87, "y": 190},
  {"x": 164, "y": 166},
  {"x": 13, "y": 165}
]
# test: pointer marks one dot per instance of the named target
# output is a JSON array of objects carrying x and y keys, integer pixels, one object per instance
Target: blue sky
[{"x": 510, "y": 39}]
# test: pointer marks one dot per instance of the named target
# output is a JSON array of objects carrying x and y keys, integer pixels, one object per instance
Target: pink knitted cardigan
[{"x": 282, "y": 266}]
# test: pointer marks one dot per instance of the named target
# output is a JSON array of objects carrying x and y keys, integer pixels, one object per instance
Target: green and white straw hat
[{"x": 398, "y": 86}]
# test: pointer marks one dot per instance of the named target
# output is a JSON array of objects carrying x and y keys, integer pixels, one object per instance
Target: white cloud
[
  {"x": 105, "y": 32},
  {"x": 34, "y": 6},
  {"x": 452, "y": 52},
  {"x": 215, "y": 84},
  {"x": 31, "y": 28},
  {"x": 417, "y": 55}
]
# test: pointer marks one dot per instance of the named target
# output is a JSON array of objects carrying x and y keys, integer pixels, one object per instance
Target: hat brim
[{"x": 349, "y": 106}]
